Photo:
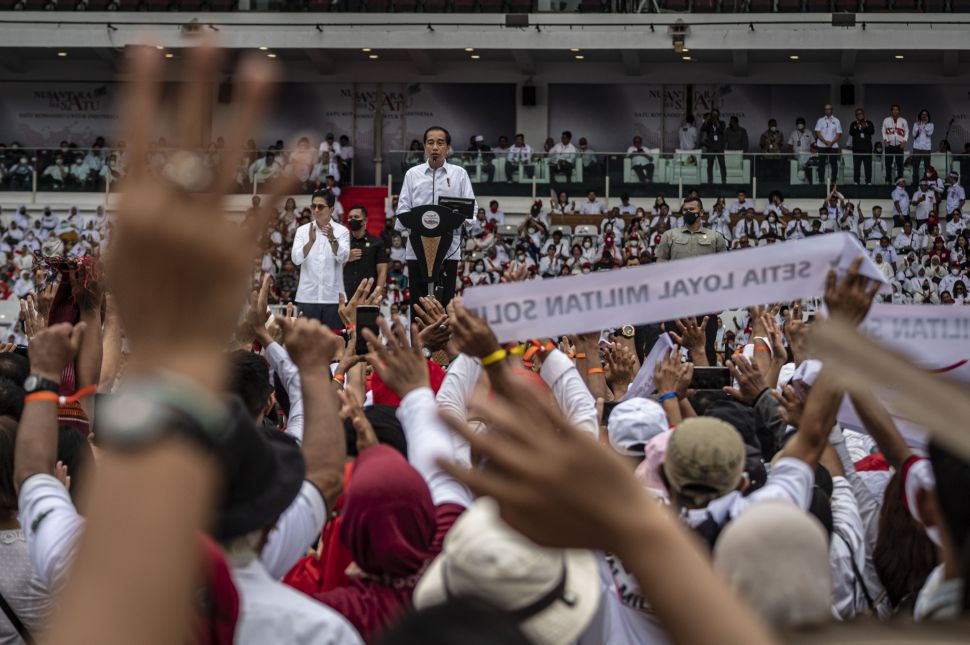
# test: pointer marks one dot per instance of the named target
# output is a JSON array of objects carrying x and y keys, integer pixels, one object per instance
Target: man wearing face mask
[
  {"x": 800, "y": 141},
  {"x": 368, "y": 258},
  {"x": 692, "y": 240}
]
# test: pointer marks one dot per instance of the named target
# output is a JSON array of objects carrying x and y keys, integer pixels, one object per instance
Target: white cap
[
  {"x": 483, "y": 558},
  {"x": 633, "y": 423},
  {"x": 479, "y": 137}
]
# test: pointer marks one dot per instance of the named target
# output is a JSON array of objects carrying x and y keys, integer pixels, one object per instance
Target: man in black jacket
[
  {"x": 712, "y": 134},
  {"x": 861, "y": 132}
]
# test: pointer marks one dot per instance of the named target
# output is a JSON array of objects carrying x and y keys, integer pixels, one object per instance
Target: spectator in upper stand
[
  {"x": 895, "y": 134},
  {"x": 828, "y": 132},
  {"x": 741, "y": 204},
  {"x": 591, "y": 164},
  {"x": 94, "y": 159},
  {"x": 80, "y": 176},
  {"x": 923, "y": 203},
  {"x": 626, "y": 208},
  {"x": 747, "y": 226},
  {"x": 615, "y": 220},
  {"x": 346, "y": 157},
  {"x": 888, "y": 251},
  {"x": 562, "y": 156},
  {"x": 922, "y": 142},
  {"x": 20, "y": 174},
  {"x": 956, "y": 196},
  {"x": 687, "y": 135},
  {"x": 800, "y": 143},
  {"x": 776, "y": 205},
  {"x": 954, "y": 226},
  {"x": 592, "y": 206},
  {"x": 556, "y": 242},
  {"x": 772, "y": 140},
  {"x": 735, "y": 137},
  {"x": 640, "y": 160},
  {"x": 494, "y": 213},
  {"x": 712, "y": 142},
  {"x": 773, "y": 226},
  {"x": 900, "y": 202},
  {"x": 519, "y": 160},
  {"x": 503, "y": 145},
  {"x": 482, "y": 155},
  {"x": 908, "y": 240},
  {"x": 875, "y": 227},
  {"x": 55, "y": 175},
  {"x": 861, "y": 131},
  {"x": 797, "y": 228},
  {"x": 265, "y": 169},
  {"x": 720, "y": 220},
  {"x": 563, "y": 205}
]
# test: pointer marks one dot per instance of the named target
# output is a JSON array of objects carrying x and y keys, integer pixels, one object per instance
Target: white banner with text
[{"x": 665, "y": 291}]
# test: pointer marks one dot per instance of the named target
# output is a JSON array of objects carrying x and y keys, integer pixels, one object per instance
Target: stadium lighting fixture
[
  {"x": 366, "y": 50},
  {"x": 469, "y": 49},
  {"x": 574, "y": 49},
  {"x": 270, "y": 55},
  {"x": 475, "y": 56},
  {"x": 263, "y": 48},
  {"x": 686, "y": 57},
  {"x": 580, "y": 57},
  {"x": 793, "y": 57},
  {"x": 373, "y": 57},
  {"x": 62, "y": 54},
  {"x": 899, "y": 57},
  {"x": 159, "y": 47},
  {"x": 170, "y": 55}
]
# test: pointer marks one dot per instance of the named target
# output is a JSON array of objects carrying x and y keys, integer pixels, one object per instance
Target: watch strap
[{"x": 37, "y": 383}]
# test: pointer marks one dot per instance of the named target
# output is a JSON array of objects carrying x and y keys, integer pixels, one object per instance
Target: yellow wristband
[{"x": 494, "y": 357}]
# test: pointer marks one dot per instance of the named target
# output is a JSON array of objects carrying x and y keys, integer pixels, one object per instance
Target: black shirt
[
  {"x": 861, "y": 133},
  {"x": 372, "y": 253}
]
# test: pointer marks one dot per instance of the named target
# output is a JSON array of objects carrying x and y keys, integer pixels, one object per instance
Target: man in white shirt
[
  {"x": 626, "y": 208},
  {"x": 875, "y": 227},
  {"x": 592, "y": 206},
  {"x": 687, "y": 136},
  {"x": 640, "y": 160},
  {"x": 828, "y": 132},
  {"x": 320, "y": 248},
  {"x": 425, "y": 184},
  {"x": 797, "y": 228},
  {"x": 900, "y": 202},
  {"x": 265, "y": 168},
  {"x": 562, "y": 157},
  {"x": 748, "y": 227},
  {"x": 956, "y": 196},
  {"x": 895, "y": 134},
  {"x": 741, "y": 204},
  {"x": 495, "y": 214},
  {"x": 800, "y": 141},
  {"x": 908, "y": 240},
  {"x": 923, "y": 202},
  {"x": 346, "y": 157},
  {"x": 519, "y": 160}
]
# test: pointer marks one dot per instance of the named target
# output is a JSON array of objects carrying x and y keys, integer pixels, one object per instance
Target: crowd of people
[
  {"x": 180, "y": 465},
  {"x": 70, "y": 167}
]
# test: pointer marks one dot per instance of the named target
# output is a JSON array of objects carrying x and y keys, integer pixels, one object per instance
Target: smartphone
[
  {"x": 710, "y": 378},
  {"x": 366, "y": 319}
]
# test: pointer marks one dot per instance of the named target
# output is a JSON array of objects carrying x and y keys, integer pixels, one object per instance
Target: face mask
[
  {"x": 773, "y": 129},
  {"x": 586, "y": 244},
  {"x": 479, "y": 267},
  {"x": 23, "y": 160},
  {"x": 955, "y": 271},
  {"x": 771, "y": 219},
  {"x": 355, "y": 224},
  {"x": 690, "y": 217},
  {"x": 521, "y": 257},
  {"x": 801, "y": 126}
]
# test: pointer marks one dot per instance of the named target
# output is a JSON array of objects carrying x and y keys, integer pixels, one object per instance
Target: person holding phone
[{"x": 320, "y": 248}]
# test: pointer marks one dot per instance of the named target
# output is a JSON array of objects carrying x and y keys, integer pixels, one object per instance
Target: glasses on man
[{"x": 319, "y": 207}]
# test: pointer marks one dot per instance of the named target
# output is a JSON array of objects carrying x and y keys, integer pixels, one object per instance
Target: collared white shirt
[
  {"x": 424, "y": 185},
  {"x": 874, "y": 228},
  {"x": 321, "y": 271},
  {"x": 895, "y": 132},
  {"x": 594, "y": 207},
  {"x": 752, "y": 229},
  {"x": 831, "y": 128},
  {"x": 738, "y": 206},
  {"x": 797, "y": 228},
  {"x": 627, "y": 209},
  {"x": 560, "y": 152},
  {"x": 687, "y": 137},
  {"x": 901, "y": 199},
  {"x": 498, "y": 216},
  {"x": 911, "y": 240},
  {"x": 801, "y": 141},
  {"x": 923, "y": 201},
  {"x": 271, "y": 612},
  {"x": 520, "y": 154},
  {"x": 954, "y": 196},
  {"x": 618, "y": 225},
  {"x": 639, "y": 155}
]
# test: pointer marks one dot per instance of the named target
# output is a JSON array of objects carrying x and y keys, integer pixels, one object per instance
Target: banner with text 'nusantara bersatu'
[{"x": 665, "y": 291}]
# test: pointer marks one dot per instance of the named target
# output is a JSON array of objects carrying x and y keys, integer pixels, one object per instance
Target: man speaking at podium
[{"x": 425, "y": 184}]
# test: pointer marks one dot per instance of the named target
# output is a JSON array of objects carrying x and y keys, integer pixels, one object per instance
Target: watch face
[
  {"x": 31, "y": 383},
  {"x": 628, "y": 331}
]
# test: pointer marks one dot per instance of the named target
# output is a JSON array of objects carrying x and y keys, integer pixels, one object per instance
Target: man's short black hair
[
  {"x": 692, "y": 198},
  {"x": 326, "y": 195},
  {"x": 11, "y": 398},
  {"x": 249, "y": 379},
  {"x": 494, "y": 201},
  {"x": 895, "y": 105},
  {"x": 567, "y": 133},
  {"x": 358, "y": 207},
  {"x": 519, "y": 134},
  {"x": 437, "y": 127},
  {"x": 14, "y": 367}
]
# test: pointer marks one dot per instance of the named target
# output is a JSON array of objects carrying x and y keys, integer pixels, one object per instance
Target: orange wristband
[
  {"x": 761, "y": 348},
  {"x": 42, "y": 396},
  {"x": 580, "y": 355},
  {"x": 595, "y": 370},
  {"x": 60, "y": 400},
  {"x": 339, "y": 378}
]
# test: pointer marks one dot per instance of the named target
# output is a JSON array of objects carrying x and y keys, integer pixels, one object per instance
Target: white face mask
[
  {"x": 800, "y": 126},
  {"x": 479, "y": 267},
  {"x": 955, "y": 271}
]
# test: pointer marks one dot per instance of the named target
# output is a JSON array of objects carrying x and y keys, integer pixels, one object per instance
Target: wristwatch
[
  {"x": 35, "y": 383},
  {"x": 627, "y": 331}
]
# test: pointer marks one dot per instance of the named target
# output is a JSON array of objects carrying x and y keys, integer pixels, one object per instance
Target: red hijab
[{"x": 389, "y": 525}]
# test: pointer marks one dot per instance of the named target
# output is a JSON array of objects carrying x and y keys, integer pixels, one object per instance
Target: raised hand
[
  {"x": 53, "y": 348},
  {"x": 693, "y": 336},
  {"x": 179, "y": 314},
  {"x": 851, "y": 297},
  {"x": 34, "y": 322},
  {"x": 428, "y": 310},
  {"x": 310, "y": 344},
  {"x": 793, "y": 403},
  {"x": 667, "y": 373},
  {"x": 750, "y": 378},
  {"x": 350, "y": 408},
  {"x": 472, "y": 335},
  {"x": 45, "y": 298},
  {"x": 515, "y": 272},
  {"x": 620, "y": 367},
  {"x": 399, "y": 363},
  {"x": 347, "y": 310}
]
